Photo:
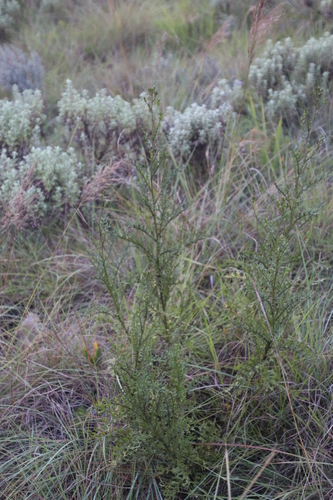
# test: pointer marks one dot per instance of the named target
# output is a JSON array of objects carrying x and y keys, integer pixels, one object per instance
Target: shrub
[
  {"x": 20, "y": 122},
  {"x": 200, "y": 127},
  {"x": 223, "y": 94},
  {"x": 17, "y": 69},
  {"x": 97, "y": 123},
  {"x": 285, "y": 76},
  {"x": 8, "y": 10},
  {"x": 35, "y": 181},
  {"x": 195, "y": 129},
  {"x": 45, "y": 180},
  {"x": 56, "y": 171}
]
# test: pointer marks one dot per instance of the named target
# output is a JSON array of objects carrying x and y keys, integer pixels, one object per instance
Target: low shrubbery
[
  {"x": 8, "y": 10},
  {"x": 97, "y": 124},
  {"x": 21, "y": 120},
  {"x": 19, "y": 70},
  {"x": 46, "y": 180},
  {"x": 35, "y": 180},
  {"x": 285, "y": 75},
  {"x": 105, "y": 128}
]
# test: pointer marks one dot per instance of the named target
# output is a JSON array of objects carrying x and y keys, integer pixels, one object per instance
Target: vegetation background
[{"x": 165, "y": 249}]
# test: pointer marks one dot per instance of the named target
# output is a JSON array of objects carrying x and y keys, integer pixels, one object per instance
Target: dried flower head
[{"x": 262, "y": 22}]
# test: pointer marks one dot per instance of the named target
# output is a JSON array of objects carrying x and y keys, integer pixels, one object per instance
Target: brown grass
[
  {"x": 19, "y": 212},
  {"x": 262, "y": 23},
  {"x": 221, "y": 34}
]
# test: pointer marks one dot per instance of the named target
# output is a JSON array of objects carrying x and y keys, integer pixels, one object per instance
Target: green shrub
[
  {"x": 270, "y": 285},
  {"x": 35, "y": 180},
  {"x": 153, "y": 419}
]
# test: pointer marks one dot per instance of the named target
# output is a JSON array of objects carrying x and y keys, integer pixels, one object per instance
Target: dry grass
[
  {"x": 20, "y": 211},
  {"x": 262, "y": 24}
]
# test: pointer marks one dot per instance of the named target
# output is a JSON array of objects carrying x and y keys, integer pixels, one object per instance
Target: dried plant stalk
[
  {"x": 19, "y": 212},
  {"x": 111, "y": 175},
  {"x": 262, "y": 22},
  {"x": 222, "y": 34}
]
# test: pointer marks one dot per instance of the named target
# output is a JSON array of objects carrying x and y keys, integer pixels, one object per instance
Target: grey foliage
[
  {"x": 44, "y": 180},
  {"x": 326, "y": 8},
  {"x": 8, "y": 11},
  {"x": 16, "y": 68},
  {"x": 285, "y": 75},
  {"x": 97, "y": 123},
  {"x": 200, "y": 127},
  {"x": 20, "y": 122},
  {"x": 34, "y": 180}
]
